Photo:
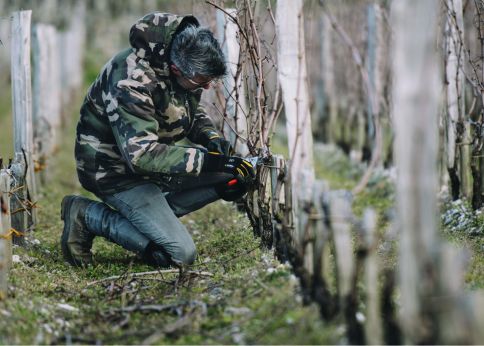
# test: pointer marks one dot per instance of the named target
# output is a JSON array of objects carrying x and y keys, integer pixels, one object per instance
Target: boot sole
[{"x": 65, "y": 206}]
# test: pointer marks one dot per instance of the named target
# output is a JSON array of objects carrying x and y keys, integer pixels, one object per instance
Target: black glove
[
  {"x": 220, "y": 145},
  {"x": 232, "y": 191},
  {"x": 238, "y": 167}
]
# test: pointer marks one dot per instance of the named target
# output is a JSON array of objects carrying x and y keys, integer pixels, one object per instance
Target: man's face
[
  {"x": 195, "y": 83},
  {"x": 191, "y": 84}
]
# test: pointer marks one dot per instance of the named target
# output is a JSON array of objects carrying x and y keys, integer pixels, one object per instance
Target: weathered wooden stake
[
  {"x": 416, "y": 88},
  {"x": 71, "y": 52},
  {"x": 371, "y": 66},
  {"x": 375, "y": 66},
  {"x": 341, "y": 218},
  {"x": 321, "y": 272},
  {"x": 265, "y": 204},
  {"x": 236, "y": 129},
  {"x": 476, "y": 301},
  {"x": 22, "y": 108},
  {"x": 292, "y": 75},
  {"x": 46, "y": 96},
  {"x": 278, "y": 204},
  {"x": 373, "y": 325},
  {"x": 455, "y": 112},
  {"x": 328, "y": 98},
  {"x": 5, "y": 236},
  {"x": 454, "y": 309}
]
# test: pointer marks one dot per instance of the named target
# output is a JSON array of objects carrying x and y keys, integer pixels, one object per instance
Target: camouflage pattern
[{"x": 134, "y": 113}]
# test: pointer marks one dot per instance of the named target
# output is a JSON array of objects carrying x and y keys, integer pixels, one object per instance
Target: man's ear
[{"x": 175, "y": 70}]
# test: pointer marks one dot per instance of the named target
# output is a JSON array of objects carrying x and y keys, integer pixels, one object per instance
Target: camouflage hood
[{"x": 151, "y": 36}]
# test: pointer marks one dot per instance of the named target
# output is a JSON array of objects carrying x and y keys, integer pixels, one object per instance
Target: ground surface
[{"x": 243, "y": 295}]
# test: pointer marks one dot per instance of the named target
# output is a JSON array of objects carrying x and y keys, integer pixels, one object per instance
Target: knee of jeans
[{"x": 186, "y": 254}]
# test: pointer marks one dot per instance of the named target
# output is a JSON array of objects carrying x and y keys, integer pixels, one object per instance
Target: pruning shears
[{"x": 253, "y": 160}]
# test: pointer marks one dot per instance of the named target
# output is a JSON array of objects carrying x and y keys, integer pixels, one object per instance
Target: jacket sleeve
[
  {"x": 203, "y": 129},
  {"x": 131, "y": 112}
]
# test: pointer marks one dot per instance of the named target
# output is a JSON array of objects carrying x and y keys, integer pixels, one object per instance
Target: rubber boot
[{"x": 76, "y": 240}]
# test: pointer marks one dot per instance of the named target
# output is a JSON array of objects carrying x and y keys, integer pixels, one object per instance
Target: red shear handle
[{"x": 232, "y": 182}]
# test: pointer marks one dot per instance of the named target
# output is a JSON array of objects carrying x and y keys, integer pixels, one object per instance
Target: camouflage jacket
[{"x": 134, "y": 113}]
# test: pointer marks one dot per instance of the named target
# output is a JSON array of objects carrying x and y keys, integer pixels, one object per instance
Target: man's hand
[
  {"x": 215, "y": 143},
  {"x": 233, "y": 190},
  {"x": 220, "y": 145},
  {"x": 238, "y": 167},
  {"x": 242, "y": 170}
]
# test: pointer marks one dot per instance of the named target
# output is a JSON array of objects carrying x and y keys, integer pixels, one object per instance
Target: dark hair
[{"x": 195, "y": 50}]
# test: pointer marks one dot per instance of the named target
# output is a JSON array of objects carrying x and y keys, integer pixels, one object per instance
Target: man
[{"x": 146, "y": 99}]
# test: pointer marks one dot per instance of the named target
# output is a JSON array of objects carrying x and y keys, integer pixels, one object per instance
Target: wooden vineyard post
[
  {"x": 455, "y": 113},
  {"x": 454, "y": 307},
  {"x": 288, "y": 220},
  {"x": 465, "y": 147},
  {"x": 369, "y": 134},
  {"x": 23, "y": 165},
  {"x": 292, "y": 75},
  {"x": 373, "y": 326},
  {"x": 265, "y": 205},
  {"x": 375, "y": 70},
  {"x": 235, "y": 124},
  {"x": 391, "y": 327},
  {"x": 278, "y": 203},
  {"x": 321, "y": 269},
  {"x": 78, "y": 29},
  {"x": 416, "y": 88},
  {"x": 46, "y": 96},
  {"x": 71, "y": 50},
  {"x": 477, "y": 303},
  {"x": 341, "y": 218},
  {"x": 5, "y": 232},
  {"x": 328, "y": 98},
  {"x": 18, "y": 199}
]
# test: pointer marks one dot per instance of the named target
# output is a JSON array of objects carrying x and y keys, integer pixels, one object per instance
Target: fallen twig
[
  {"x": 162, "y": 307},
  {"x": 154, "y": 272},
  {"x": 148, "y": 307},
  {"x": 222, "y": 262}
]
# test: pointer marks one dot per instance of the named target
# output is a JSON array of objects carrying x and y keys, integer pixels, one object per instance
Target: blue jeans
[{"x": 144, "y": 219}]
